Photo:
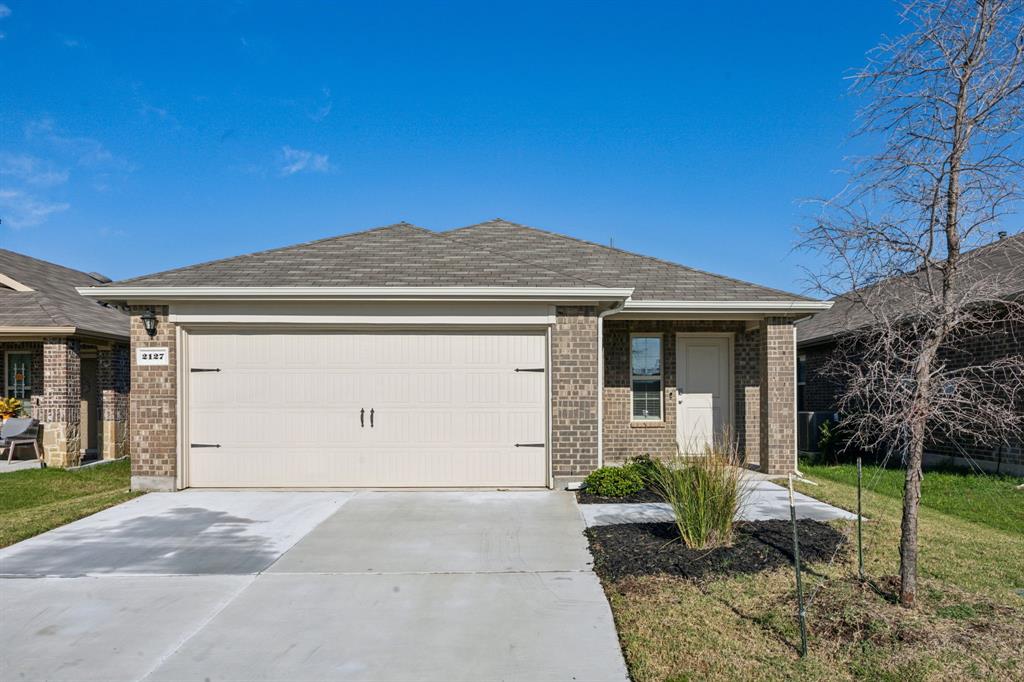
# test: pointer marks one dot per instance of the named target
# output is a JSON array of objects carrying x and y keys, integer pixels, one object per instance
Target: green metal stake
[
  {"x": 860, "y": 537},
  {"x": 799, "y": 582}
]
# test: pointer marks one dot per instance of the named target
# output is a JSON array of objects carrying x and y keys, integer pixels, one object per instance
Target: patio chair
[{"x": 17, "y": 432}]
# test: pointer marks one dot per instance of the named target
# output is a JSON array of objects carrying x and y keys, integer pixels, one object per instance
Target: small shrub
[
  {"x": 614, "y": 481},
  {"x": 644, "y": 466},
  {"x": 705, "y": 493}
]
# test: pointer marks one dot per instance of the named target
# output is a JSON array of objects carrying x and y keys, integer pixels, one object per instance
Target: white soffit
[{"x": 548, "y": 294}]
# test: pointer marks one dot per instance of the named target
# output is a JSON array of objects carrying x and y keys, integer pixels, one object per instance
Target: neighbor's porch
[
  {"x": 78, "y": 390},
  {"x": 673, "y": 385}
]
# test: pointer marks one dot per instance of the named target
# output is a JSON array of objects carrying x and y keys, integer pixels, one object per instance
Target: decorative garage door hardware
[
  {"x": 203, "y": 369},
  {"x": 362, "y": 416},
  {"x": 529, "y": 445},
  {"x": 529, "y": 369},
  {"x": 205, "y": 445}
]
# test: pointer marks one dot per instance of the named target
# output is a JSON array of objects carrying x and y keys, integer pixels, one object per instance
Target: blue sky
[{"x": 139, "y": 136}]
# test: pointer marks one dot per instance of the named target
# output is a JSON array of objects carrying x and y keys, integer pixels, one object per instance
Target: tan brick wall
[
  {"x": 59, "y": 406},
  {"x": 624, "y": 438},
  {"x": 574, "y": 391},
  {"x": 778, "y": 389},
  {"x": 153, "y": 405},
  {"x": 113, "y": 376}
]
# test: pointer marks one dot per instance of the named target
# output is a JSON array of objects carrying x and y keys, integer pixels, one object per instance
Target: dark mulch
[
  {"x": 645, "y": 495},
  {"x": 649, "y": 548}
]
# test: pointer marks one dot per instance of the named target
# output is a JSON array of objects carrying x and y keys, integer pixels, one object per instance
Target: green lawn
[
  {"x": 986, "y": 499},
  {"x": 968, "y": 625},
  {"x": 33, "y": 501}
]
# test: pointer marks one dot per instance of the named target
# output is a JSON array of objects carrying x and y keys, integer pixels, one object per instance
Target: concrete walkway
[
  {"x": 311, "y": 586},
  {"x": 766, "y": 501},
  {"x": 18, "y": 465}
]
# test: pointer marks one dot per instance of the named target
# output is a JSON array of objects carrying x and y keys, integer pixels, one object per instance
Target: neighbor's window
[
  {"x": 18, "y": 377},
  {"x": 645, "y": 375}
]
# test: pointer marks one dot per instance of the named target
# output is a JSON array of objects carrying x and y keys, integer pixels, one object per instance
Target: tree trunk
[
  {"x": 908, "y": 528},
  {"x": 918, "y": 423}
]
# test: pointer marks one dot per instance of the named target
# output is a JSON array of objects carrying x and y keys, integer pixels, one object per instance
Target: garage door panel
[{"x": 448, "y": 408}]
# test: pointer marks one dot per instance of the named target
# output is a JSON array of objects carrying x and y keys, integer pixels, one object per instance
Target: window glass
[
  {"x": 19, "y": 376},
  {"x": 645, "y": 379}
]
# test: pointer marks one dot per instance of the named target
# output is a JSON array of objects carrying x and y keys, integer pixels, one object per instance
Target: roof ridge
[
  {"x": 43, "y": 301},
  {"x": 445, "y": 235},
  {"x": 630, "y": 253},
  {"x": 272, "y": 250}
]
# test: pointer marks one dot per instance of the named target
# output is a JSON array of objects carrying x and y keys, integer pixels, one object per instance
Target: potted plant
[{"x": 9, "y": 407}]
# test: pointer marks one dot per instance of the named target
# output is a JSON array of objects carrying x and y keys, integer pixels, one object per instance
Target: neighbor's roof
[
  {"x": 497, "y": 253},
  {"x": 53, "y": 301},
  {"x": 1000, "y": 265}
]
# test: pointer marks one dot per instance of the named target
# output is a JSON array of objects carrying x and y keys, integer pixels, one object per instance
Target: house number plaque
[{"x": 151, "y": 356}]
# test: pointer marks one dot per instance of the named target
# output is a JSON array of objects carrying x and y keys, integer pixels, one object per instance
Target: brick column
[
  {"x": 574, "y": 392},
  {"x": 153, "y": 407},
  {"x": 59, "y": 407},
  {"x": 748, "y": 395},
  {"x": 778, "y": 396},
  {"x": 113, "y": 377}
]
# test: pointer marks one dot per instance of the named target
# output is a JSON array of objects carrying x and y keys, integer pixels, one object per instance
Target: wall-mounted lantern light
[{"x": 149, "y": 322}]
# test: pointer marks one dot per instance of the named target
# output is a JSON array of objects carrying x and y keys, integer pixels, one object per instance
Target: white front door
[
  {"x": 703, "y": 394},
  {"x": 400, "y": 409}
]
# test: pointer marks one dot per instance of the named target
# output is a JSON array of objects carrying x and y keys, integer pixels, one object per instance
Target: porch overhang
[{"x": 716, "y": 310}]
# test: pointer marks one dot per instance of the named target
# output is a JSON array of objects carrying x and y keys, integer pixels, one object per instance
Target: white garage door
[{"x": 351, "y": 409}]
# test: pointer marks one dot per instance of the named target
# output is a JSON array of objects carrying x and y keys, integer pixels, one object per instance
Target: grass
[
  {"x": 990, "y": 500},
  {"x": 968, "y": 625},
  {"x": 33, "y": 501}
]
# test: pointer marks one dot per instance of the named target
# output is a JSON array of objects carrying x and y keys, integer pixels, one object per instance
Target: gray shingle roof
[
  {"x": 53, "y": 301},
  {"x": 397, "y": 255},
  {"x": 494, "y": 253},
  {"x": 653, "y": 279},
  {"x": 999, "y": 264}
]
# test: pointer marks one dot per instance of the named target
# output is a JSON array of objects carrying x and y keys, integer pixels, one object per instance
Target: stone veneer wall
[
  {"x": 114, "y": 378},
  {"x": 153, "y": 407},
  {"x": 574, "y": 391},
  {"x": 778, "y": 395},
  {"x": 624, "y": 438},
  {"x": 60, "y": 405}
]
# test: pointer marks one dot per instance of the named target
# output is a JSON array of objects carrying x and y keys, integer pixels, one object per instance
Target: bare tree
[{"x": 946, "y": 112}]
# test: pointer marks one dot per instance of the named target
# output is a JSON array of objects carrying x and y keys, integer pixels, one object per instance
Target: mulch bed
[
  {"x": 645, "y": 495},
  {"x": 633, "y": 549}
]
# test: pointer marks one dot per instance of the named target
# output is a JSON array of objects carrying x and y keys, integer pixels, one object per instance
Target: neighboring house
[
  {"x": 404, "y": 357},
  {"x": 1001, "y": 264},
  {"x": 65, "y": 358}
]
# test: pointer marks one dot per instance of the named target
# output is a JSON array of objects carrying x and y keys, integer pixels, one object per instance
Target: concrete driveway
[{"x": 311, "y": 586}]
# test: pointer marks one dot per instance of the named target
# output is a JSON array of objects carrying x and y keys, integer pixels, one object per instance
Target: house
[
  {"x": 1000, "y": 264},
  {"x": 65, "y": 358},
  {"x": 495, "y": 355}
]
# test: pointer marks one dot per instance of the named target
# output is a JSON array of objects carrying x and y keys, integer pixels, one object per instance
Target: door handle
[
  {"x": 362, "y": 416},
  {"x": 371, "y": 417}
]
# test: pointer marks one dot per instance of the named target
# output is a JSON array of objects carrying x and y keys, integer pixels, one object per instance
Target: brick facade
[
  {"x": 625, "y": 438},
  {"x": 821, "y": 394},
  {"x": 574, "y": 391},
  {"x": 56, "y": 394},
  {"x": 113, "y": 377},
  {"x": 777, "y": 345},
  {"x": 154, "y": 406}
]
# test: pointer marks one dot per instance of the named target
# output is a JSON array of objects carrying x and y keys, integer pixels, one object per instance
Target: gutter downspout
[{"x": 616, "y": 307}]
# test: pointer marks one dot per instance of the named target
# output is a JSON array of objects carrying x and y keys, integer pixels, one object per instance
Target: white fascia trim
[
  {"x": 725, "y": 306},
  {"x": 154, "y": 294}
]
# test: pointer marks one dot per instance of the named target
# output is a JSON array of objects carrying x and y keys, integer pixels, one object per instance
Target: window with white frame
[{"x": 645, "y": 379}]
